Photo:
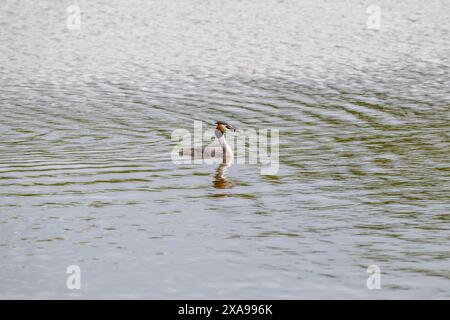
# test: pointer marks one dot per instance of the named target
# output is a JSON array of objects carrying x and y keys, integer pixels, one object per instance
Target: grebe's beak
[{"x": 230, "y": 127}]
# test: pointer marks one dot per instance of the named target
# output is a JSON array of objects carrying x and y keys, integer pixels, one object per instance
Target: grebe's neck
[{"x": 227, "y": 151}]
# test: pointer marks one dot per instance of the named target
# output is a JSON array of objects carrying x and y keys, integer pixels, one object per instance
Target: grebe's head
[{"x": 222, "y": 126}]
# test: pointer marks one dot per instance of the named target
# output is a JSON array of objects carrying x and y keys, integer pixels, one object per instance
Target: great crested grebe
[
  {"x": 224, "y": 151},
  {"x": 212, "y": 152}
]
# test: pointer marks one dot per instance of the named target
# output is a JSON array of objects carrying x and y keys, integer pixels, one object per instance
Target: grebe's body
[{"x": 210, "y": 152}]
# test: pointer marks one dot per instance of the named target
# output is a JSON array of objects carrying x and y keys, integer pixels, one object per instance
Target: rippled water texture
[{"x": 86, "y": 177}]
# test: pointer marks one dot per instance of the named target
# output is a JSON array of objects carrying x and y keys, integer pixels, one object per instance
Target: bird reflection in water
[{"x": 220, "y": 180}]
